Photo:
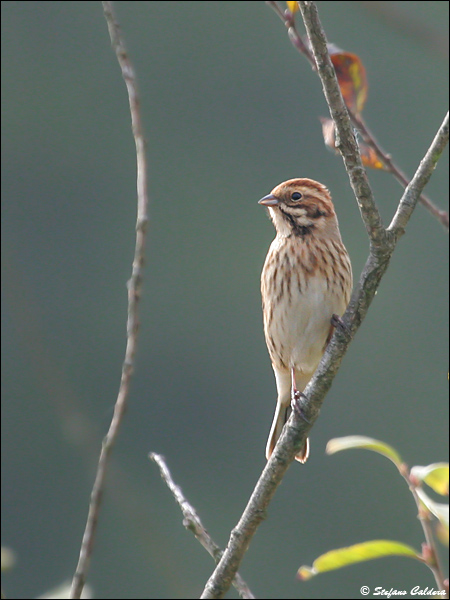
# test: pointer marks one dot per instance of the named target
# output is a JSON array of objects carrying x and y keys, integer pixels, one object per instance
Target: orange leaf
[
  {"x": 352, "y": 78},
  {"x": 368, "y": 154},
  {"x": 369, "y": 157},
  {"x": 292, "y": 6}
]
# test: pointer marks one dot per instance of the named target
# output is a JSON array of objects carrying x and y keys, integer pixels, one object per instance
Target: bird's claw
[
  {"x": 296, "y": 406},
  {"x": 337, "y": 322}
]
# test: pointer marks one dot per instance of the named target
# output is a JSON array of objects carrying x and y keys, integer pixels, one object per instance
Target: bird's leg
[
  {"x": 295, "y": 394},
  {"x": 296, "y": 397}
]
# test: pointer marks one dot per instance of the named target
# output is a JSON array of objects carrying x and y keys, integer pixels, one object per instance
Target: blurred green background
[{"x": 230, "y": 110}]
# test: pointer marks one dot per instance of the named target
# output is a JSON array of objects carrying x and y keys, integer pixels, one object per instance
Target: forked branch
[
  {"x": 192, "y": 522},
  {"x": 383, "y": 244}
]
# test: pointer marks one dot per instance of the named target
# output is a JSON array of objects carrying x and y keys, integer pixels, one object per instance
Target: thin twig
[
  {"x": 386, "y": 159},
  {"x": 295, "y": 432},
  {"x": 423, "y": 174},
  {"x": 434, "y": 564},
  {"x": 289, "y": 22},
  {"x": 394, "y": 169},
  {"x": 192, "y": 522},
  {"x": 134, "y": 290}
]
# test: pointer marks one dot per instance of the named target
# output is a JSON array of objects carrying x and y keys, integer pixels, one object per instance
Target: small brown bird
[{"x": 306, "y": 279}]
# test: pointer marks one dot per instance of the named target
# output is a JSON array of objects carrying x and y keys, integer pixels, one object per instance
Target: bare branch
[
  {"x": 394, "y": 169},
  {"x": 346, "y": 141},
  {"x": 297, "y": 428},
  {"x": 134, "y": 290},
  {"x": 420, "y": 179},
  {"x": 193, "y": 523},
  {"x": 289, "y": 21},
  {"x": 386, "y": 159}
]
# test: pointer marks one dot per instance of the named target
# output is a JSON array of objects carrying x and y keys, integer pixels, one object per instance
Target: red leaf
[{"x": 351, "y": 76}]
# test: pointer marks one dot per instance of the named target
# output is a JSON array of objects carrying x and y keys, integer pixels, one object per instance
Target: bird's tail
[{"x": 282, "y": 412}]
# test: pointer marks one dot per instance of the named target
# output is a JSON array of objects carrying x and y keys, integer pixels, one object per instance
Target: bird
[{"x": 306, "y": 283}]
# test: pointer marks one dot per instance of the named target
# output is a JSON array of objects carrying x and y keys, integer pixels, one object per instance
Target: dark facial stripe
[{"x": 297, "y": 229}]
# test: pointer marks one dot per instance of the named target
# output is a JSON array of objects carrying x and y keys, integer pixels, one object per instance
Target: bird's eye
[{"x": 296, "y": 196}]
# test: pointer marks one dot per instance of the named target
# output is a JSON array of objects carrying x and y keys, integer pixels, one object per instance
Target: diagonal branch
[
  {"x": 423, "y": 174},
  {"x": 296, "y": 431},
  {"x": 394, "y": 169},
  {"x": 193, "y": 523},
  {"x": 134, "y": 291},
  {"x": 346, "y": 141}
]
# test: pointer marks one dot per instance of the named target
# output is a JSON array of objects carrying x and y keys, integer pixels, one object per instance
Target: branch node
[{"x": 192, "y": 522}]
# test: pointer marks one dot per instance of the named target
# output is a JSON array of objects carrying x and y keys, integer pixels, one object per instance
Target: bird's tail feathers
[{"x": 282, "y": 413}]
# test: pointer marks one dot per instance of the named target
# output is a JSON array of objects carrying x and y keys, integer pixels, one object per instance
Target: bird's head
[{"x": 300, "y": 207}]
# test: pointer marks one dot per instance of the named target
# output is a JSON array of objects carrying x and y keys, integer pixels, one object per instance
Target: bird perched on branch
[{"x": 306, "y": 282}]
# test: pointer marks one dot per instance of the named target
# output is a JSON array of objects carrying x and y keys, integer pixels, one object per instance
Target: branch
[
  {"x": 134, "y": 291},
  {"x": 390, "y": 166},
  {"x": 289, "y": 21},
  {"x": 420, "y": 179},
  {"x": 297, "y": 428},
  {"x": 193, "y": 523},
  {"x": 424, "y": 517},
  {"x": 346, "y": 141},
  {"x": 394, "y": 169}
]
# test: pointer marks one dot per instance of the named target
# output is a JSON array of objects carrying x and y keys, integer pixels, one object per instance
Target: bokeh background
[{"x": 230, "y": 110}]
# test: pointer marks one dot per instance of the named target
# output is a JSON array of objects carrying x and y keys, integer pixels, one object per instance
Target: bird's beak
[{"x": 269, "y": 200}]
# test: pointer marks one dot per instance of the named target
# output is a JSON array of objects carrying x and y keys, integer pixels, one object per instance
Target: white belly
[
  {"x": 298, "y": 311},
  {"x": 302, "y": 328}
]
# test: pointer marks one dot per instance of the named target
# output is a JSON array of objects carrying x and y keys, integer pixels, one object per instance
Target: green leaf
[
  {"x": 435, "y": 475},
  {"x": 342, "y": 557},
  {"x": 367, "y": 443},
  {"x": 440, "y": 511}
]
